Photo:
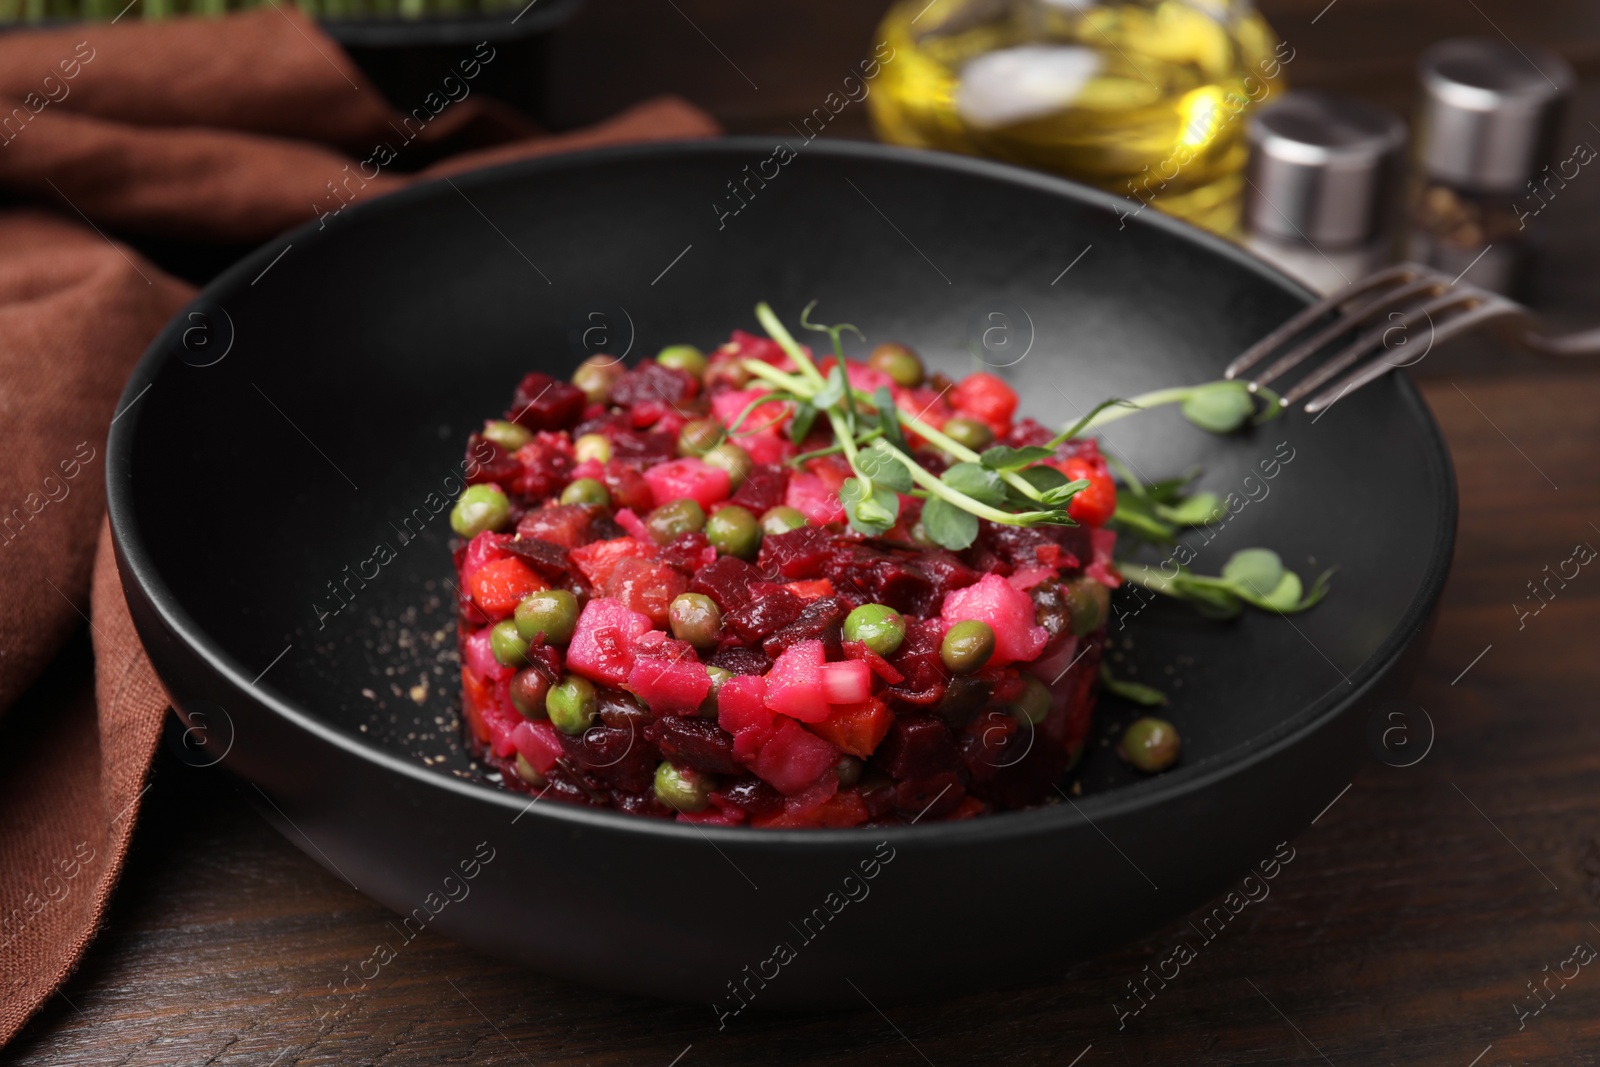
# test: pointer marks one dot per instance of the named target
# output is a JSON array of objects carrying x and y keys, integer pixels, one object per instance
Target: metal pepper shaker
[
  {"x": 1323, "y": 183},
  {"x": 1487, "y": 129}
]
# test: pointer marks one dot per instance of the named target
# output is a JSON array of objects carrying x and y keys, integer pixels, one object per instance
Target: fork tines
[{"x": 1370, "y": 326}]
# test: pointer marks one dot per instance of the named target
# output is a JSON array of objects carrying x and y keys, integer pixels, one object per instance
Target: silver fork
[{"x": 1351, "y": 329}]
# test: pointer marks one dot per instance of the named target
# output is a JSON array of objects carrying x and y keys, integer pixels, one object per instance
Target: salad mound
[{"x": 667, "y": 607}]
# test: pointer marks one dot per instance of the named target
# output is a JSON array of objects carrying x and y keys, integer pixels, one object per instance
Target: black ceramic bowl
[{"x": 301, "y": 413}]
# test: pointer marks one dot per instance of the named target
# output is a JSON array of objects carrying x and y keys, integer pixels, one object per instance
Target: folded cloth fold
[{"x": 227, "y": 130}]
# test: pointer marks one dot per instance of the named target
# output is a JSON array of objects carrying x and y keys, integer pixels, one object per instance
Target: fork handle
[{"x": 1583, "y": 343}]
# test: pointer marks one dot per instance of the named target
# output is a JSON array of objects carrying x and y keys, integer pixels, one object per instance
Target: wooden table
[{"x": 1418, "y": 908}]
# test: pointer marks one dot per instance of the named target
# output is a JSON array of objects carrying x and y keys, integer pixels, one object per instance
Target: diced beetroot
[
  {"x": 545, "y": 403},
  {"x": 918, "y": 660},
  {"x": 627, "y": 486},
  {"x": 646, "y": 586},
  {"x": 669, "y": 687},
  {"x": 484, "y": 548},
  {"x": 740, "y": 659},
  {"x": 742, "y": 704},
  {"x": 750, "y": 795},
  {"x": 856, "y": 728},
  {"x": 713, "y": 816},
  {"x": 628, "y": 520},
  {"x": 810, "y": 589},
  {"x": 479, "y": 658},
  {"x": 691, "y": 741},
  {"x": 727, "y": 406},
  {"x": 538, "y": 743},
  {"x": 639, "y": 448},
  {"x": 933, "y": 797},
  {"x": 602, "y": 644},
  {"x": 821, "y": 619},
  {"x": 794, "y": 685},
  {"x": 1008, "y": 612},
  {"x": 848, "y": 682},
  {"x": 768, "y": 610},
  {"x": 498, "y": 587},
  {"x": 613, "y": 754},
  {"x": 652, "y": 383},
  {"x": 598, "y": 559},
  {"x": 727, "y": 581},
  {"x": 793, "y": 758},
  {"x": 878, "y": 665},
  {"x": 690, "y": 552},
  {"x": 843, "y": 809},
  {"x": 1025, "y": 578},
  {"x": 768, "y": 448},
  {"x": 545, "y": 466},
  {"x": 811, "y": 496},
  {"x": 488, "y": 462},
  {"x": 562, "y": 524},
  {"x": 1101, "y": 568},
  {"x": 917, "y": 746},
  {"x": 798, "y": 553},
  {"x": 763, "y": 488},
  {"x": 688, "y": 479}
]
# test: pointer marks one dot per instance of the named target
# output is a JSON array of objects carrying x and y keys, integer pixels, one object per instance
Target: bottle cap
[
  {"x": 1490, "y": 112},
  {"x": 1324, "y": 169}
]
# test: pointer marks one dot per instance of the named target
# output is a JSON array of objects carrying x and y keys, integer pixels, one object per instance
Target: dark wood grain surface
[{"x": 1416, "y": 916}]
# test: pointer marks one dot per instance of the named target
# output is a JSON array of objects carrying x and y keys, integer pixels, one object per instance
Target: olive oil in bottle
[{"x": 1143, "y": 98}]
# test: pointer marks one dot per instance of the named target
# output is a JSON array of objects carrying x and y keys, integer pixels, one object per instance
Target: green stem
[
  {"x": 1142, "y": 402},
  {"x": 775, "y": 329},
  {"x": 950, "y": 446},
  {"x": 920, "y": 475}
]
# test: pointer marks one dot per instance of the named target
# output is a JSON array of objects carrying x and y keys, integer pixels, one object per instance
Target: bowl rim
[{"x": 138, "y": 569}]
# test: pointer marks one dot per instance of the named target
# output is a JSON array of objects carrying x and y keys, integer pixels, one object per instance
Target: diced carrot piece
[
  {"x": 856, "y": 728},
  {"x": 499, "y": 587}
]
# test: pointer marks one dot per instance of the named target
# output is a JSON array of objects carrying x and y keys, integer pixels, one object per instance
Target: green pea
[
  {"x": 510, "y": 648},
  {"x": 595, "y": 446},
  {"x": 480, "y": 508},
  {"x": 695, "y": 618},
  {"x": 1150, "y": 744},
  {"x": 508, "y": 435},
  {"x": 708, "y": 707},
  {"x": 699, "y": 436},
  {"x": 552, "y": 612},
  {"x": 781, "y": 519},
  {"x": 899, "y": 362},
  {"x": 674, "y": 520},
  {"x": 527, "y": 772},
  {"x": 970, "y": 432},
  {"x": 682, "y": 788},
  {"x": 734, "y": 531},
  {"x": 1088, "y": 604},
  {"x": 528, "y": 690},
  {"x": 733, "y": 459},
  {"x": 967, "y": 646},
  {"x": 571, "y": 705},
  {"x": 849, "y": 770},
  {"x": 877, "y": 626},
  {"x": 586, "y": 491},
  {"x": 684, "y": 358},
  {"x": 1034, "y": 703},
  {"x": 596, "y": 375}
]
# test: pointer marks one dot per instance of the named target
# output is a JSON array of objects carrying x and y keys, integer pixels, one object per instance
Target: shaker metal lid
[
  {"x": 1323, "y": 168},
  {"x": 1490, "y": 112}
]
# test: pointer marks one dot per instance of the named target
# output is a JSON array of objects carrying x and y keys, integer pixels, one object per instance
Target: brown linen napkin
[{"x": 229, "y": 130}]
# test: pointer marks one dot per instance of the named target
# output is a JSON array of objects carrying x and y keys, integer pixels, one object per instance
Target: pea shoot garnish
[{"x": 1017, "y": 486}]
